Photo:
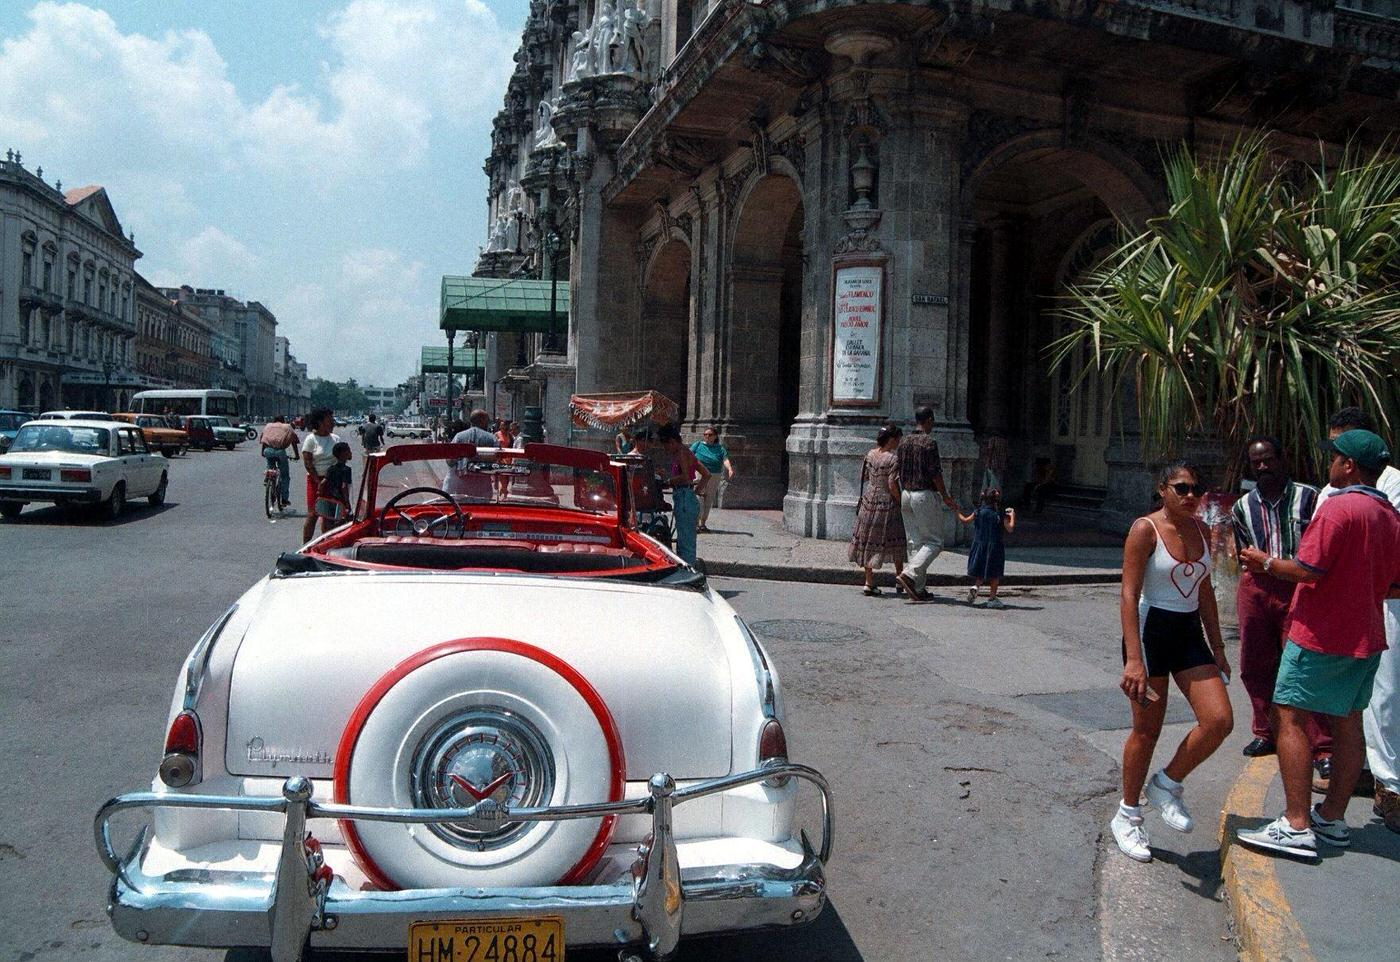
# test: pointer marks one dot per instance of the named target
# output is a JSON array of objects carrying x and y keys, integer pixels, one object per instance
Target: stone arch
[
  {"x": 764, "y": 338},
  {"x": 26, "y": 399},
  {"x": 1035, "y": 203},
  {"x": 668, "y": 317},
  {"x": 1127, "y": 190},
  {"x": 46, "y": 394}
]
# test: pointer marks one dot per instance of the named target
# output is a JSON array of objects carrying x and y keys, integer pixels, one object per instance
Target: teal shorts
[{"x": 1330, "y": 684}]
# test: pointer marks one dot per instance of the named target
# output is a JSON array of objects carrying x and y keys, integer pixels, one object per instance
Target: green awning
[
  {"x": 464, "y": 359},
  {"x": 502, "y": 304}
]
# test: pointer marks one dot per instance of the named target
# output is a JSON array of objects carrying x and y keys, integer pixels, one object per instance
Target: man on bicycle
[
  {"x": 278, "y": 439},
  {"x": 372, "y": 434}
]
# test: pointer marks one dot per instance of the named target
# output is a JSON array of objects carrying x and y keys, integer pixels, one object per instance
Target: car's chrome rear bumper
[
  {"x": 28, "y": 494},
  {"x": 300, "y": 904}
]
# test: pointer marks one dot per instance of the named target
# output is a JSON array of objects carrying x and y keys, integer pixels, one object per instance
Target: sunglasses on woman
[{"x": 1182, "y": 489}]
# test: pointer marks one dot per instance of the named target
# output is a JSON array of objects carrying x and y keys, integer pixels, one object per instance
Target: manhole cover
[{"x": 797, "y": 629}]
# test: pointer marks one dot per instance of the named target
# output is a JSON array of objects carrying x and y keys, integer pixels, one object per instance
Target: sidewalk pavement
[
  {"x": 754, "y": 544},
  {"x": 1340, "y": 907}
]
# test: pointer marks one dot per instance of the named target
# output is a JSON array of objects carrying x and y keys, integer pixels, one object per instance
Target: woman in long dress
[{"x": 879, "y": 532}]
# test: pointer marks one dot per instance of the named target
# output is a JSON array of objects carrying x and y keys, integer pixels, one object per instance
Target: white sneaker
[
  {"x": 972, "y": 596},
  {"x": 1131, "y": 836},
  {"x": 1279, "y": 836},
  {"x": 1169, "y": 804},
  {"x": 1333, "y": 831},
  {"x": 996, "y": 603}
]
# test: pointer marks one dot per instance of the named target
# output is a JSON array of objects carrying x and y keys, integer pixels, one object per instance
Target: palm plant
[{"x": 1265, "y": 298}]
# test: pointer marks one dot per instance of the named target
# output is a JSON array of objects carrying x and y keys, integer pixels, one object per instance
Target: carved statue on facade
[
  {"x": 581, "y": 57},
  {"x": 544, "y": 130},
  {"x": 601, "y": 37}
]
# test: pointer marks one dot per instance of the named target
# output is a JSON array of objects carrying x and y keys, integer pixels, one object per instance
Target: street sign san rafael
[{"x": 937, "y": 300}]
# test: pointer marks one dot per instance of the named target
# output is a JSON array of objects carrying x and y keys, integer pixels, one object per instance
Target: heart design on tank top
[{"x": 1187, "y": 576}]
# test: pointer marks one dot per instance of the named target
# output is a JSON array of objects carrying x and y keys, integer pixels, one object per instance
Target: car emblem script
[{"x": 487, "y": 758}]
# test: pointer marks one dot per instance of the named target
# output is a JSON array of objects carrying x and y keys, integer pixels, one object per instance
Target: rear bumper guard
[{"x": 301, "y": 905}]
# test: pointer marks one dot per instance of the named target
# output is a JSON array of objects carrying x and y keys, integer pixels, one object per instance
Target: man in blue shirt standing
[{"x": 709, "y": 452}]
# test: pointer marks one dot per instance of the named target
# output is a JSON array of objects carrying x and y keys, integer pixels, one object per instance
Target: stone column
[
  {"x": 916, "y": 141},
  {"x": 996, "y": 384}
]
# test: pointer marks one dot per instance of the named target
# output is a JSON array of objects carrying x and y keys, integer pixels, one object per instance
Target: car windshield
[
  {"x": 150, "y": 422},
  {"x": 219, "y": 423},
  {"x": 11, "y": 422},
  {"x": 48, "y": 437},
  {"x": 505, "y": 478}
]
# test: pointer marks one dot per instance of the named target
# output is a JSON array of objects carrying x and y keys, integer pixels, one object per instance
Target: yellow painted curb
[{"x": 1267, "y": 930}]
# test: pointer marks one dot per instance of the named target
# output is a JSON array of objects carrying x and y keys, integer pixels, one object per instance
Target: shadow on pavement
[
  {"x": 89, "y": 515},
  {"x": 825, "y": 940},
  {"x": 1203, "y": 868}
]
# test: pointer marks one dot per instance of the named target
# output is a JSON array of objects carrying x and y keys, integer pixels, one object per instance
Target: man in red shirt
[{"x": 1347, "y": 564}]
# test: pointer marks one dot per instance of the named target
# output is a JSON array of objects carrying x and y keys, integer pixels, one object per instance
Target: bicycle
[{"x": 272, "y": 503}]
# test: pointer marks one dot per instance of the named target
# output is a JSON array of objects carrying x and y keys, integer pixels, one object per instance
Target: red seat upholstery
[{"x": 578, "y": 547}]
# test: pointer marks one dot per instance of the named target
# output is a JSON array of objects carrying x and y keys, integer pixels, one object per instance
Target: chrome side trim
[
  {"x": 199, "y": 658},
  {"x": 297, "y": 903},
  {"x": 761, "y": 671}
]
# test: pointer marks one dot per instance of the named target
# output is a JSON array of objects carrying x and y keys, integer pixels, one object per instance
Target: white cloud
[
  {"x": 395, "y": 67},
  {"x": 367, "y": 319},
  {"x": 257, "y": 193}
]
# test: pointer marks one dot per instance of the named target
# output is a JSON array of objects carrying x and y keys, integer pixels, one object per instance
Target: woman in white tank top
[{"x": 1168, "y": 612}]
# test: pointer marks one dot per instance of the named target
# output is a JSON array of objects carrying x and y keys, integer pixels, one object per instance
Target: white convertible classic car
[
  {"x": 483, "y": 719},
  {"x": 80, "y": 462}
]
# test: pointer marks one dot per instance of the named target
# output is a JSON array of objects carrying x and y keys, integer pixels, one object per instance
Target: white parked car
[
  {"x": 75, "y": 416},
  {"x": 80, "y": 462},
  {"x": 534, "y": 727},
  {"x": 405, "y": 429}
]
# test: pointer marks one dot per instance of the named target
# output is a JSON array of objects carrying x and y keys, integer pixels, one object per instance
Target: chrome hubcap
[{"x": 489, "y": 757}]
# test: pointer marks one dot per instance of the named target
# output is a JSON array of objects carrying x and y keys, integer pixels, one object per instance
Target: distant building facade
[
  {"x": 67, "y": 308},
  {"x": 383, "y": 400},
  {"x": 800, "y": 220},
  {"x": 244, "y": 341},
  {"x": 174, "y": 344}
]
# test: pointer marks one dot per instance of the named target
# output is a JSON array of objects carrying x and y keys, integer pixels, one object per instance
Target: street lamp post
[
  {"x": 107, "y": 367},
  {"x": 551, "y": 247},
  {"x": 450, "y": 336}
]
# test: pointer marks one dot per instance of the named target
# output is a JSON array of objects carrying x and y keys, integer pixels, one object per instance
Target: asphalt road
[{"x": 973, "y": 753}]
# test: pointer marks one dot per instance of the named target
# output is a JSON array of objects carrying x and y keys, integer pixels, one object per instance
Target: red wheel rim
[{"x": 350, "y": 737}]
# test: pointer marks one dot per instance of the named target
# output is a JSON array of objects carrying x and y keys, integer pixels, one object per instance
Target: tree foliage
[{"x": 1266, "y": 297}]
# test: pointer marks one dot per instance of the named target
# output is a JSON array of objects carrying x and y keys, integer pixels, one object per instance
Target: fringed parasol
[{"x": 622, "y": 409}]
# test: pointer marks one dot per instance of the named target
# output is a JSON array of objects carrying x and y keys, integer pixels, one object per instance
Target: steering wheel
[{"x": 421, "y": 527}]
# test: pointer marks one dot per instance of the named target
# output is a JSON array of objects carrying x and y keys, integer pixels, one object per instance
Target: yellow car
[{"x": 159, "y": 435}]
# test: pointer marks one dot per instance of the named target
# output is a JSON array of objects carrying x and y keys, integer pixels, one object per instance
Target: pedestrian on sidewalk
[
  {"x": 333, "y": 495},
  {"x": 922, "y": 499},
  {"x": 317, "y": 455},
  {"x": 986, "y": 561},
  {"x": 1167, "y": 607},
  {"x": 1272, "y": 517},
  {"x": 709, "y": 452},
  {"x": 1381, "y": 720},
  {"x": 683, "y": 473},
  {"x": 878, "y": 536},
  {"x": 1348, "y": 563}
]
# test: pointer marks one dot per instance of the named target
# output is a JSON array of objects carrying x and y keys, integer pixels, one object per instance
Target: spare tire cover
[{"x": 463, "y": 722}]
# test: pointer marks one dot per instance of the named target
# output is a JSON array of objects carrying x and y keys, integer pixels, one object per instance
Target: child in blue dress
[{"x": 987, "y": 559}]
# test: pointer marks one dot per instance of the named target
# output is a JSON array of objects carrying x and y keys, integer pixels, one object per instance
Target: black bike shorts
[{"x": 1172, "y": 641}]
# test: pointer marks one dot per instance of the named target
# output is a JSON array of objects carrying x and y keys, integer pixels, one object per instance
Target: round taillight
[
  {"x": 772, "y": 741},
  {"x": 184, "y": 734},
  {"x": 177, "y": 769}
]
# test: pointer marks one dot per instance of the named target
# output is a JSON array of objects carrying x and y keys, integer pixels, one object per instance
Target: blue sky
[{"x": 321, "y": 157}]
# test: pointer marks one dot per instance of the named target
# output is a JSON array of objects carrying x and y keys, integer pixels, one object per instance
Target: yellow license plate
[{"x": 487, "y": 940}]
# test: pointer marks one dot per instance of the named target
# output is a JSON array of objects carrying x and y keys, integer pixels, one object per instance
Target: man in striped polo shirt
[{"x": 1272, "y": 518}]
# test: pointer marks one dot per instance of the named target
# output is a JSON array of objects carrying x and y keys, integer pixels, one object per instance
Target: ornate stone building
[
  {"x": 800, "y": 219},
  {"x": 67, "y": 318}
]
